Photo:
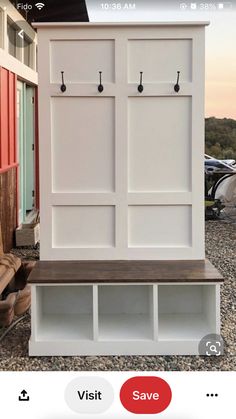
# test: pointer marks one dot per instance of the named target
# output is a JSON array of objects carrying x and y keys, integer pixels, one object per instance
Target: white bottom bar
[{"x": 87, "y": 348}]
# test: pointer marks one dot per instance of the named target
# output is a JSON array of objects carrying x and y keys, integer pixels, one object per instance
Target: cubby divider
[{"x": 95, "y": 312}]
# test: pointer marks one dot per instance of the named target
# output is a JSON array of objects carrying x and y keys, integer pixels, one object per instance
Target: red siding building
[{"x": 18, "y": 123}]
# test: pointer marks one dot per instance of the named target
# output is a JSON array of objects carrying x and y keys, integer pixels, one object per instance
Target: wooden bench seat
[{"x": 123, "y": 271}]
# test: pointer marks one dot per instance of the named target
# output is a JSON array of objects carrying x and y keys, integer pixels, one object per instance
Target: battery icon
[
  {"x": 228, "y": 5},
  {"x": 225, "y": 6}
]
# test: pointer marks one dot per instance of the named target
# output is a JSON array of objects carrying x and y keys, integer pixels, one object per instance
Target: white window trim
[{"x": 9, "y": 13}]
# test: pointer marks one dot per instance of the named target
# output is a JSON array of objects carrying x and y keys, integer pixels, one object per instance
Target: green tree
[{"x": 220, "y": 138}]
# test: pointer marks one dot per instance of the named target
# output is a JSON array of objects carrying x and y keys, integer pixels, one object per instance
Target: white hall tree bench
[{"x": 121, "y": 115}]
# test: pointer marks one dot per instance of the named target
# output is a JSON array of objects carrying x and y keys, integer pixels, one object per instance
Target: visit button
[{"x": 145, "y": 395}]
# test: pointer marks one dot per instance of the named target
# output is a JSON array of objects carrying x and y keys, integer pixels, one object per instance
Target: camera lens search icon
[
  {"x": 211, "y": 345},
  {"x": 213, "y": 348}
]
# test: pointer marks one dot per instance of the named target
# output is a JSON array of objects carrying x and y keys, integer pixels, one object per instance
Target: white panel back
[
  {"x": 174, "y": 299},
  {"x": 159, "y": 226},
  {"x": 67, "y": 299},
  {"x": 81, "y": 60},
  {"x": 124, "y": 299},
  {"x": 83, "y": 144},
  {"x": 160, "y": 144},
  {"x": 160, "y": 59},
  {"x": 83, "y": 226}
]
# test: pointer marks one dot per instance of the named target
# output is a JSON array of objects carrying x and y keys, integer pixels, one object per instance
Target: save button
[{"x": 142, "y": 395}]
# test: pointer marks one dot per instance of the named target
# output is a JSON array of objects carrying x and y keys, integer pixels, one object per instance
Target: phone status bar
[
  {"x": 188, "y": 6},
  {"x": 203, "y": 6}
]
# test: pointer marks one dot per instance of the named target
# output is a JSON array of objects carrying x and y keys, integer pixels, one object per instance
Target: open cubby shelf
[
  {"x": 123, "y": 316},
  {"x": 125, "y": 312},
  {"x": 65, "y": 313},
  {"x": 66, "y": 327}
]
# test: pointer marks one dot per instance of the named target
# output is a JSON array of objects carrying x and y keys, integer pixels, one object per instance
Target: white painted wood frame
[{"x": 123, "y": 211}]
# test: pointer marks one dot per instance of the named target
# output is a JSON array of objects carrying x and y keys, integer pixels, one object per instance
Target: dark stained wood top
[{"x": 52, "y": 272}]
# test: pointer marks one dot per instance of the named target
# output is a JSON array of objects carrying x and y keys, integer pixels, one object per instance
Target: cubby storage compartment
[
  {"x": 125, "y": 312},
  {"x": 186, "y": 312},
  {"x": 64, "y": 313}
]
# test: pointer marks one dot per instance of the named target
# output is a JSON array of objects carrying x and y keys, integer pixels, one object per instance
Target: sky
[
  {"x": 221, "y": 66},
  {"x": 220, "y": 46}
]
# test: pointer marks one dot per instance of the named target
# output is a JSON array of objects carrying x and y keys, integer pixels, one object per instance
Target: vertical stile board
[
  {"x": 95, "y": 313},
  {"x": 34, "y": 314},
  {"x": 155, "y": 312}
]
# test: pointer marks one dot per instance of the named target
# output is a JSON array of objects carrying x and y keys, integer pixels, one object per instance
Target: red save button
[{"x": 145, "y": 395}]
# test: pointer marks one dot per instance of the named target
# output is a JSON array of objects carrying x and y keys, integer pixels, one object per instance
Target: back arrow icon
[{"x": 21, "y": 34}]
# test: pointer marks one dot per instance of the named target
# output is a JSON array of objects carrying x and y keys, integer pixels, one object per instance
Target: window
[
  {"x": 27, "y": 52},
  {"x": 19, "y": 46},
  {"x": 12, "y": 38},
  {"x": 1, "y": 29}
]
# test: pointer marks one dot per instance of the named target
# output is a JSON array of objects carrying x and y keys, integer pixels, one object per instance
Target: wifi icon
[{"x": 39, "y": 5}]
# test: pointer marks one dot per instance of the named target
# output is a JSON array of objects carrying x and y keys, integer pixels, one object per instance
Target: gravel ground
[{"x": 220, "y": 249}]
